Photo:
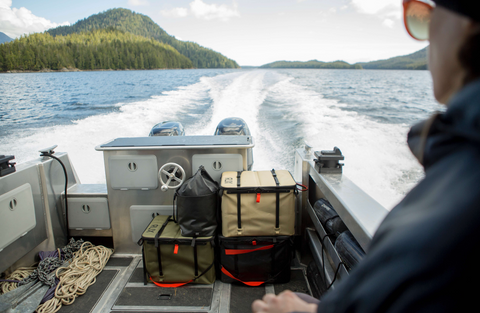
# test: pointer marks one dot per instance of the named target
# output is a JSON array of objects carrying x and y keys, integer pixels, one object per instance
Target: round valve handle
[{"x": 171, "y": 176}]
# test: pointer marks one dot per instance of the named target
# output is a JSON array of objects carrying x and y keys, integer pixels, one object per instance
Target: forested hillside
[
  {"x": 139, "y": 24},
  {"x": 97, "y": 49},
  {"x": 311, "y": 64},
  {"x": 414, "y": 61}
]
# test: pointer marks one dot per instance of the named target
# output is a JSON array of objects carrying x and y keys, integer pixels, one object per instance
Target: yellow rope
[
  {"x": 75, "y": 279},
  {"x": 19, "y": 274}
]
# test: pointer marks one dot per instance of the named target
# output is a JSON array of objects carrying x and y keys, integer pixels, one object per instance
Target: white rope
[
  {"x": 75, "y": 279},
  {"x": 19, "y": 274}
]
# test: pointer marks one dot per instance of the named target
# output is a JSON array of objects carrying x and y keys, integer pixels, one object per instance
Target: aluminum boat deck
[{"x": 132, "y": 194}]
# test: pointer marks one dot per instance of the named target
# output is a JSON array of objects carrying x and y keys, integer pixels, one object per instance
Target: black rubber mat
[
  {"x": 119, "y": 262},
  {"x": 297, "y": 283},
  {"x": 148, "y": 296},
  {"x": 86, "y": 302},
  {"x": 241, "y": 298},
  {"x": 137, "y": 276}
]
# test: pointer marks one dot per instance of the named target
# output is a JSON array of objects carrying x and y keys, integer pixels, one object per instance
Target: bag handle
[
  {"x": 171, "y": 285},
  {"x": 248, "y": 283},
  {"x": 204, "y": 172},
  {"x": 244, "y": 251},
  {"x": 277, "y": 204},
  {"x": 174, "y": 208}
]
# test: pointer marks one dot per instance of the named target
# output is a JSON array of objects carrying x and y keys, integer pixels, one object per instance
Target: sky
[{"x": 251, "y": 32}]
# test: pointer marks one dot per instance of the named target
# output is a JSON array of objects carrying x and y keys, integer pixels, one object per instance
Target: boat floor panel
[
  {"x": 157, "y": 296},
  {"x": 120, "y": 288},
  {"x": 116, "y": 262},
  {"x": 241, "y": 297},
  {"x": 87, "y": 302}
]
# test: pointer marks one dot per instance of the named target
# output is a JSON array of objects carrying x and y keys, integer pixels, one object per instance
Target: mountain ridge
[
  {"x": 4, "y": 38},
  {"x": 413, "y": 61},
  {"x": 142, "y": 25}
]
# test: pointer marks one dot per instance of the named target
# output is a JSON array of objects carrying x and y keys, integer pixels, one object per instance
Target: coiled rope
[
  {"x": 11, "y": 282},
  {"x": 75, "y": 279}
]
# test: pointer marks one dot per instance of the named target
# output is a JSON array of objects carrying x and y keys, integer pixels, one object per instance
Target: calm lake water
[{"x": 367, "y": 114}]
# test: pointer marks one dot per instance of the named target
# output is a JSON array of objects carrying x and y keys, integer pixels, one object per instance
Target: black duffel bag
[{"x": 196, "y": 205}]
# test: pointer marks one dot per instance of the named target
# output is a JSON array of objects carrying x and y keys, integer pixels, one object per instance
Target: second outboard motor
[
  {"x": 232, "y": 126},
  {"x": 235, "y": 126},
  {"x": 167, "y": 129}
]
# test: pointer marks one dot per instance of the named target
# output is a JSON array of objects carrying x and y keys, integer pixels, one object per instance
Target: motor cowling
[
  {"x": 235, "y": 126},
  {"x": 168, "y": 128}
]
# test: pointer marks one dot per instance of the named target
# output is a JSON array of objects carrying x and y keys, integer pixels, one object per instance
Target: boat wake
[{"x": 281, "y": 114}]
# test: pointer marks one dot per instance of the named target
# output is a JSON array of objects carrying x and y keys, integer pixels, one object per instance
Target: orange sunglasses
[{"x": 416, "y": 16}]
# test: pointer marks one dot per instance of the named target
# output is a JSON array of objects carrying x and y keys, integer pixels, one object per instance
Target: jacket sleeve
[{"x": 420, "y": 258}]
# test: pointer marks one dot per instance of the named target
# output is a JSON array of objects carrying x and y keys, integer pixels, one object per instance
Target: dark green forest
[
  {"x": 139, "y": 24},
  {"x": 92, "y": 50},
  {"x": 414, "y": 61},
  {"x": 311, "y": 64}
]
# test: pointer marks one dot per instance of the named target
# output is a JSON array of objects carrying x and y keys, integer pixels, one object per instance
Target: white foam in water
[
  {"x": 80, "y": 139},
  {"x": 376, "y": 155}
]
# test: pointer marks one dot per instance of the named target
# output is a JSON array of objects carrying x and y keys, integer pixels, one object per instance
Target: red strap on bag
[
  {"x": 258, "y": 197},
  {"x": 243, "y": 251},
  {"x": 248, "y": 283},
  {"x": 175, "y": 250},
  {"x": 170, "y": 285}
]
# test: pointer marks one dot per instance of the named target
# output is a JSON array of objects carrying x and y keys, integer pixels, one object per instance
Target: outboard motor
[
  {"x": 235, "y": 126},
  {"x": 167, "y": 129}
]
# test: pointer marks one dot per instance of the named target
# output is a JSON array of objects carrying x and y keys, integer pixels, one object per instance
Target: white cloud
[
  {"x": 138, "y": 2},
  {"x": 213, "y": 11},
  {"x": 388, "y": 22},
  {"x": 176, "y": 12},
  {"x": 376, "y": 6},
  {"x": 328, "y": 12},
  {"x": 386, "y": 10},
  {"x": 16, "y": 22},
  {"x": 205, "y": 11}
]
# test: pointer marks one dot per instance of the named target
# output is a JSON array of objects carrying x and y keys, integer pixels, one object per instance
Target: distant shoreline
[{"x": 66, "y": 70}]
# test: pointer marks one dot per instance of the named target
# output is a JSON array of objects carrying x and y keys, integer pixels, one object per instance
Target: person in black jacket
[{"x": 423, "y": 256}]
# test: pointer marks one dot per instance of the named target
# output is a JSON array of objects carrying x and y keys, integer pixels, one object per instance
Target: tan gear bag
[{"x": 258, "y": 203}]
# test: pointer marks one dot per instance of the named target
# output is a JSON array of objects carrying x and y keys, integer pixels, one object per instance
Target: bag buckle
[
  {"x": 277, "y": 231},
  {"x": 239, "y": 231}
]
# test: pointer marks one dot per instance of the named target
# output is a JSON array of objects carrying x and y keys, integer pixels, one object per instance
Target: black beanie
[{"x": 465, "y": 7}]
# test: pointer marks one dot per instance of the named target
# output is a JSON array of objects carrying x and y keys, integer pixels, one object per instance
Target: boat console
[{"x": 142, "y": 175}]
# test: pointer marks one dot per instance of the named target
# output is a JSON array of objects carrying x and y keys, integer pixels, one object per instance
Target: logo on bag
[
  {"x": 152, "y": 228},
  {"x": 229, "y": 180}
]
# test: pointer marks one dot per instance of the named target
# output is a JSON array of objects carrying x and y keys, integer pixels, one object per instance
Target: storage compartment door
[
  {"x": 17, "y": 214},
  {"x": 88, "y": 213},
  {"x": 133, "y": 172}
]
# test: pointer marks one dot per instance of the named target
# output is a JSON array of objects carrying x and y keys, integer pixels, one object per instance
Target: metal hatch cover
[{"x": 165, "y": 142}]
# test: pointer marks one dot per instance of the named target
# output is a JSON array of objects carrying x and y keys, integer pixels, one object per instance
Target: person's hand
[{"x": 286, "y": 301}]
